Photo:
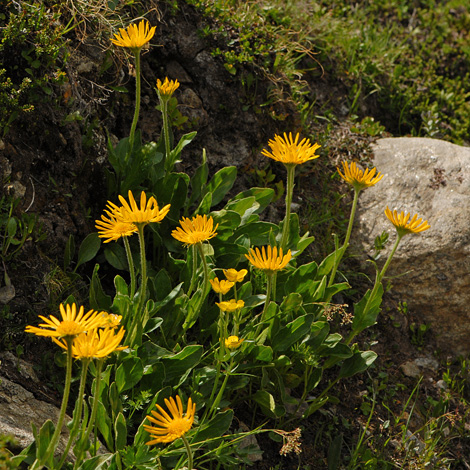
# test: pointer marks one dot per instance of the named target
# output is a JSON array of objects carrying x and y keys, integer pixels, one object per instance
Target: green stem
[
  {"x": 269, "y": 284},
  {"x": 216, "y": 402},
  {"x": 94, "y": 410},
  {"x": 342, "y": 250},
  {"x": 143, "y": 270},
  {"x": 166, "y": 134},
  {"x": 206, "y": 270},
  {"x": 137, "y": 103},
  {"x": 377, "y": 284},
  {"x": 205, "y": 281},
  {"x": 138, "y": 319},
  {"x": 193, "y": 275},
  {"x": 189, "y": 452},
  {"x": 78, "y": 414},
  {"x": 289, "y": 193},
  {"x": 130, "y": 262},
  {"x": 38, "y": 464}
]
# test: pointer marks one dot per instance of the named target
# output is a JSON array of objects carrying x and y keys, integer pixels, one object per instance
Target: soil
[{"x": 59, "y": 163}]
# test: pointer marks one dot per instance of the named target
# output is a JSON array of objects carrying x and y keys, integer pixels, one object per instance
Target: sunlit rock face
[{"x": 431, "y": 178}]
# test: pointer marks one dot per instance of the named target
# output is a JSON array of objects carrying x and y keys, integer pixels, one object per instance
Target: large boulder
[{"x": 431, "y": 178}]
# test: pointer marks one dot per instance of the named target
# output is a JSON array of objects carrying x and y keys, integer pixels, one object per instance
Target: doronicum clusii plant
[{"x": 261, "y": 338}]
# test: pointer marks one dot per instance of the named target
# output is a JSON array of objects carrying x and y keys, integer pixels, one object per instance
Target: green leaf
[
  {"x": 326, "y": 265},
  {"x": 178, "y": 366},
  {"x": 314, "y": 379},
  {"x": 121, "y": 286},
  {"x": 335, "y": 288},
  {"x": 356, "y": 364},
  {"x": 221, "y": 183},
  {"x": 44, "y": 438},
  {"x": 199, "y": 180},
  {"x": 104, "y": 423},
  {"x": 291, "y": 302},
  {"x": 302, "y": 244},
  {"x": 174, "y": 192},
  {"x": 98, "y": 299},
  {"x": 205, "y": 205},
  {"x": 318, "y": 294},
  {"x": 162, "y": 284},
  {"x": 69, "y": 251},
  {"x": 292, "y": 332},
  {"x": 116, "y": 256},
  {"x": 12, "y": 226},
  {"x": 318, "y": 332},
  {"x": 129, "y": 372},
  {"x": 120, "y": 431},
  {"x": 263, "y": 196},
  {"x": 227, "y": 221},
  {"x": 176, "y": 152},
  {"x": 245, "y": 208},
  {"x": 262, "y": 353},
  {"x": 268, "y": 405},
  {"x": 365, "y": 318},
  {"x": 96, "y": 463},
  {"x": 334, "y": 452},
  {"x": 216, "y": 427},
  {"x": 316, "y": 405},
  {"x": 88, "y": 249},
  {"x": 301, "y": 279},
  {"x": 258, "y": 232}
]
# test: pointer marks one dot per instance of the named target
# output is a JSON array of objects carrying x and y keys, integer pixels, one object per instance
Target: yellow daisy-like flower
[
  {"x": 147, "y": 212},
  {"x": 269, "y": 260},
  {"x": 290, "y": 151},
  {"x": 72, "y": 324},
  {"x": 233, "y": 275},
  {"x": 95, "y": 344},
  {"x": 196, "y": 230},
  {"x": 112, "y": 228},
  {"x": 404, "y": 225},
  {"x": 170, "y": 427},
  {"x": 167, "y": 87},
  {"x": 231, "y": 305},
  {"x": 357, "y": 178},
  {"x": 232, "y": 342},
  {"x": 135, "y": 36},
  {"x": 221, "y": 287}
]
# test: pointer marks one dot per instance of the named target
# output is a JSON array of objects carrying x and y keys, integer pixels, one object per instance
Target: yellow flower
[
  {"x": 112, "y": 228},
  {"x": 271, "y": 261},
  {"x": 171, "y": 427},
  {"x": 221, "y": 287},
  {"x": 135, "y": 36},
  {"x": 232, "y": 342},
  {"x": 233, "y": 275},
  {"x": 404, "y": 225},
  {"x": 148, "y": 211},
  {"x": 357, "y": 178},
  {"x": 231, "y": 305},
  {"x": 95, "y": 344},
  {"x": 290, "y": 151},
  {"x": 167, "y": 87},
  {"x": 72, "y": 324},
  {"x": 196, "y": 230},
  {"x": 111, "y": 319}
]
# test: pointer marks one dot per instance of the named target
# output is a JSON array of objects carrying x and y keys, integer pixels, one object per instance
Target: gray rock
[
  {"x": 19, "y": 408},
  {"x": 431, "y": 178}
]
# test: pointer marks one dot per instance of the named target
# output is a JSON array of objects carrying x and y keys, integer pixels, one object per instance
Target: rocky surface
[
  {"x": 432, "y": 178},
  {"x": 19, "y": 408}
]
